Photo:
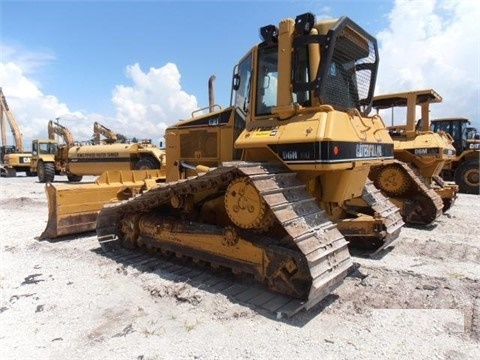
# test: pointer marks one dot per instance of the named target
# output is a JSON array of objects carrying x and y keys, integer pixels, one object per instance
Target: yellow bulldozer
[
  {"x": 273, "y": 185},
  {"x": 75, "y": 160},
  {"x": 413, "y": 182}
]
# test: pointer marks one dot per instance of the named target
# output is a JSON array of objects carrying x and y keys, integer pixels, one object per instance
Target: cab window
[
  {"x": 242, "y": 94},
  {"x": 267, "y": 80}
]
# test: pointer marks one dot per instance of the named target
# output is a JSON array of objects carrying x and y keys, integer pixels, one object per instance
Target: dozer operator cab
[
  {"x": 408, "y": 101},
  {"x": 415, "y": 138},
  {"x": 301, "y": 77},
  {"x": 299, "y": 98},
  {"x": 333, "y": 63}
]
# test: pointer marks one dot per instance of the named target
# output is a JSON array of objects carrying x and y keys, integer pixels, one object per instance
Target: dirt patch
[{"x": 21, "y": 203}]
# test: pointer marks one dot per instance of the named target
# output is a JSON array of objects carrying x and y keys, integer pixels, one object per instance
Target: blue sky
[{"x": 138, "y": 66}]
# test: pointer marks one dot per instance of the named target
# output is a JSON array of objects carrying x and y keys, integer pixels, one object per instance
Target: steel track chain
[{"x": 317, "y": 238}]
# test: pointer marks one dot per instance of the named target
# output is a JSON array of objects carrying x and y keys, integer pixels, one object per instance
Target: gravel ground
[{"x": 65, "y": 299}]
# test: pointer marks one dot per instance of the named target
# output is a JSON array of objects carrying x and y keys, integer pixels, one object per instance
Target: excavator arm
[
  {"x": 100, "y": 130},
  {"x": 60, "y": 130},
  {"x": 13, "y": 124}
]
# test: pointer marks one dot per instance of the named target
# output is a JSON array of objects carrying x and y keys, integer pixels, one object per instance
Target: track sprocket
[
  {"x": 391, "y": 179},
  {"x": 245, "y": 206}
]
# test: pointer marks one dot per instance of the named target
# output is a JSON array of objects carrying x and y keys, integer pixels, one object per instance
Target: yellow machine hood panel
[{"x": 308, "y": 139}]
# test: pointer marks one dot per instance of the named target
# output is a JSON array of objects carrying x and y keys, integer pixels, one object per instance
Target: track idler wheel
[
  {"x": 420, "y": 211},
  {"x": 129, "y": 231},
  {"x": 245, "y": 206}
]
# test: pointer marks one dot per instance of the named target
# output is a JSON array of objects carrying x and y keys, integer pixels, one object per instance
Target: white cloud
[
  {"x": 154, "y": 101},
  {"x": 29, "y": 61},
  {"x": 324, "y": 13},
  {"x": 428, "y": 44},
  {"x": 30, "y": 107},
  {"x": 143, "y": 110},
  {"x": 434, "y": 44}
]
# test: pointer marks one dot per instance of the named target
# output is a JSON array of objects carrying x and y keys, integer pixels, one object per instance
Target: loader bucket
[{"x": 73, "y": 209}]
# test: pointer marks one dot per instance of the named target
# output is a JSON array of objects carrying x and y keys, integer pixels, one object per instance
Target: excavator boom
[
  {"x": 60, "y": 130},
  {"x": 17, "y": 136},
  {"x": 100, "y": 130},
  {"x": 13, "y": 157}
]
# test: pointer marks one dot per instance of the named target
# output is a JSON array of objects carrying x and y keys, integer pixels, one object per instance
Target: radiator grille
[{"x": 199, "y": 144}]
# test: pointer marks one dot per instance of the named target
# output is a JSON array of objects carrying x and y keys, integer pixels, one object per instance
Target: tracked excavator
[
  {"x": 99, "y": 130},
  {"x": 413, "y": 182},
  {"x": 13, "y": 158},
  {"x": 273, "y": 185}
]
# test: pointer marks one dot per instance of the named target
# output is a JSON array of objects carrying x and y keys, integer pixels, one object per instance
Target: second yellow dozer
[
  {"x": 413, "y": 182},
  {"x": 275, "y": 184}
]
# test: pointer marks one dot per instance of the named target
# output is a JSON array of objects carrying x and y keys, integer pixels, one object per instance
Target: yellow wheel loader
[
  {"x": 49, "y": 156},
  {"x": 275, "y": 184},
  {"x": 465, "y": 168},
  {"x": 413, "y": 182}
]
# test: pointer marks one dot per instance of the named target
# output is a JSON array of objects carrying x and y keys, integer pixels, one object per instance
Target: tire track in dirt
[
  {"x": 475, "y": 320},
  {"x": 439, "y": 250},
  {"x": 375, "y": 287},
  {"x": 21, "y": 202},
  {"x": 188, "y": 282}
]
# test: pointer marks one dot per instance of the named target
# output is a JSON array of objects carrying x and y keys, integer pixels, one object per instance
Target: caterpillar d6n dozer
[
  {"x": 413, "y": 182},
  {"x": 274, "y": 184}
]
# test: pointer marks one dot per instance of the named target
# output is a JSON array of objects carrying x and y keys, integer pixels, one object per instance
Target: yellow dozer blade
[{"x": 73, "y": 209}]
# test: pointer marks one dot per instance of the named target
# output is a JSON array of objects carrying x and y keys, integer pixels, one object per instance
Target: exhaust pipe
[{"x": 211, "y": 96}]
